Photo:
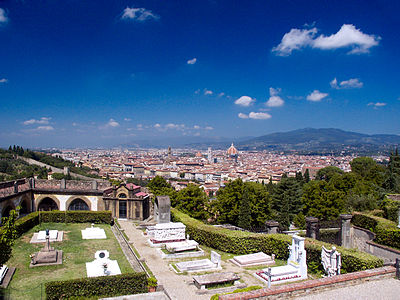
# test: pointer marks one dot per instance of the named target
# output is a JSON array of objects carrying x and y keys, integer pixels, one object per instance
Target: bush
[
  {"x": 69, "y": 216},
  {"x": 330, "y": 236},
  {"x": 390, "y": 209},
  {"x": 386, "y": 231},
  {"x": 248, "y": 289},
  {"x": 103, "y": 286},
  {"x": 242, "y": 242}
]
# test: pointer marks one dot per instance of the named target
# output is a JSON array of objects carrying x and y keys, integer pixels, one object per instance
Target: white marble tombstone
[{"x": 331, "y": 261}]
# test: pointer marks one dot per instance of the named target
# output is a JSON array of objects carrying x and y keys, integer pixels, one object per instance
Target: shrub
[
  {"x": 242, "y": 242},
  {"x": 386, "y": 231},
  {"x": 247, "y": 289},
  {"x": 69, "y": 216},
  {"x": 152, "y": 281},
  {"x": 103, "y": 286}
]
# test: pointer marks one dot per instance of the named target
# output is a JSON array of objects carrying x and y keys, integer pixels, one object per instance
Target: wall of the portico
[{"x": 95, "y": 203}]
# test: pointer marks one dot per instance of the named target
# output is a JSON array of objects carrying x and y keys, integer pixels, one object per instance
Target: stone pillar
[
  {"x": 312, "y": 230},
  {"x": 345, "y": 231},
  {"x": 94, "y": 185},
  {"x": 272, "y": 226},
  {"x": 32, "y": 183},
  {"x": 15, "y": 187},
  {"x": 66, "y": 171},
  {"x": 63, "y": 184}
]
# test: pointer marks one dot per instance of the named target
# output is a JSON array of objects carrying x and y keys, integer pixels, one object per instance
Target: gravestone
[
  {"x": 47, "y": 256},
  {"x": 296, "y": 268},
  {"x": 102, "y": 265},
  {"x": 92, "y": 233},
  {"x": 331, "y": 261},
  {"x": 312, "y": 229},
  {"x": 216, "y": 259},
  {"x": 201, "y": 265},
  {"x": 345, "y": 230},
  {"x": 254, "y": 259},
  {"x": 162, "y": 209},
  {"x": 166, "y": 232},
  {"x": 181, "y": 246}
]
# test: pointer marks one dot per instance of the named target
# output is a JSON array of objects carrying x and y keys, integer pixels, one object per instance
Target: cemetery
[{"x": 76, "y": 253}]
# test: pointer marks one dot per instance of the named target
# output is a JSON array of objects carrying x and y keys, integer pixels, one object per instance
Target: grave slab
[
  {"x": 254, "y": 259},
  {"x": 102, "y": 265},
  {"x": 93, "y": 233},
  {"x": 204, "y": 281}
]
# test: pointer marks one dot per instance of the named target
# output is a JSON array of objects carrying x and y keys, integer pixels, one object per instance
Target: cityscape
[{"x": 213, "y": 149}]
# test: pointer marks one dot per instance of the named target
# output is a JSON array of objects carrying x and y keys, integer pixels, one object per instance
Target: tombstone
[
  {"x": 331, "y": 261},
  {"x": 272, "y": 226},
  {"x": 166, "y": 232},
  {"x": 3, "y": 272},
  {"x": 92, "y": 233},
  {"x": 47, "y": 256},
  {"x": 181, "y": 246},
  {"x": 254, "y": 259},
  {"x": 296, "y": 268},
  {"x": 102, "y": 265},
  {"x": 216, "y": 258},
  {"x": 345, "y": 230},
  {"x": 312, "y": 230},
  {"x": 162, "y": 209}
]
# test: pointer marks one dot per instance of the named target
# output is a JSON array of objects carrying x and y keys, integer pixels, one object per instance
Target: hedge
[
  {"x": 242, "y": 242},
  {"x": 386, "y": 231},
  {"x": 103, "y": 286},
  {"x": 70, "y": 216}
]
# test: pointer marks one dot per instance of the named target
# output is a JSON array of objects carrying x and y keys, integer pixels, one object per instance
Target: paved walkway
[
  {"x": 178, "y": 287},
  {"x": 384, "y": 289}
]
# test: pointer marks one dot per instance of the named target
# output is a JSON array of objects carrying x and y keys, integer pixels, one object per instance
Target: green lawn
[{"x": 26, "y": 283}]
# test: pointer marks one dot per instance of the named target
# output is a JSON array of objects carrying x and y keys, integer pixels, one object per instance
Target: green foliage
[
  {"x": 8, "y": 234},
  {"x": 247, "y": 289},
  {"x": 244, "y": 211},
  {"x": 386, "y": 231},
  {"x": 138, "y": 181},
  {"x": 227, "y": 205},
  {"x": 242, "y": 242},
  {"x": 160, "y": 187},
  {"x": 70, "y": 216},
  {"x": 390, "y": 209},
  {"x": 193, "y": 201},
  {"x": 286, "y": 200},
  {"x": 328, "y": 172},
  {"x": 152, "y": 282},
  {"x": 103, "y": 286}
]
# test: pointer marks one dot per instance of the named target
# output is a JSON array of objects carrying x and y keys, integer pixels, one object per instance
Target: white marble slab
[
  {"x": 3, "y": 272},
  {"x": 42, "y": 235},
  {"x": 95, "y": 268},
  {"x": 93, "y": 233},
  {"x": 181, "y": 246},
  {"x": 254, "y": 259}
]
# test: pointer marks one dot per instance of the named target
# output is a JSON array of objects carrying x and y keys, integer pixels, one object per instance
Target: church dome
[{"x": 232, "y": 151}]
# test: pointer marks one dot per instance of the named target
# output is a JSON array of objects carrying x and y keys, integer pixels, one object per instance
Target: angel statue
[{"x": 331, "y": 261}]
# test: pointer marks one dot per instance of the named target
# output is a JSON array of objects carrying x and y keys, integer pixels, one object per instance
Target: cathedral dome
[{"x": 232, "y": 151}]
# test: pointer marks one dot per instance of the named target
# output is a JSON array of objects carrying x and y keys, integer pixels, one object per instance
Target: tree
[
  {"x": 8, "y": 235},
  {"x": 160, "y": 187},
  {"x": 192, "y": 200},
  {"x": 362, "y": 165},
  {"x": 328, "y": 172},
  {"x": 307, "y": 176},
  {"x": 286, "y": 200},
  {"x": 245, "y": 212}
]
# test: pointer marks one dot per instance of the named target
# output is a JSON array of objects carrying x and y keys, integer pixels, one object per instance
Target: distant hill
[{"x": 325, "y": 140}]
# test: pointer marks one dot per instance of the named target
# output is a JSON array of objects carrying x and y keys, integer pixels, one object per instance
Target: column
[
  {"x": 345, "y": 230},
  {"x": 312, "y": 230}
]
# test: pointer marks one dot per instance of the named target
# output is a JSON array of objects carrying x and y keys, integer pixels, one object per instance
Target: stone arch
[
  {"x": 122, "y": 195},
  {"x": 48, "y": 202},
  {"x": 25, "y": 205},
  {"x": 6, "y": 210},
  {"x": 82, "y": 198}
]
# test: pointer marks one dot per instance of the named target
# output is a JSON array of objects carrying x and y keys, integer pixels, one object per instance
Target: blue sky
[{"x": 105, "y": 73}]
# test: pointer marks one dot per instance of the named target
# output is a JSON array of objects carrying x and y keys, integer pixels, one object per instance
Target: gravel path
[{"x": 385, "y": 289}]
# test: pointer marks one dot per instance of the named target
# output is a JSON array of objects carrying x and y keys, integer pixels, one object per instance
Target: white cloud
[
  {"x": 157, "y": 125},
  {"x": 112, "y": 123},
  {"x": 221, "y": 94},
  {"x": 316, "y": 96},
  {"x": 209, "y": 128},
  {"x": 3, "y": 16},
  {"x": 192, "y": 61},
  {"x": 3, "y": 80},
  {"x": 377, "y": 104},
  {"x": 274, "y": 100},
  {"x": 196, "y": 127},
  {"x": 208, "y": 92},
  {"x": 245, "y": 101},
  {"x": 259, "y": 115},
  {"x": 175, "y": 126},
  {"x": 127, "y": 119},
  {"x": 45, "y": 128},
  {"x": 353, "y": 83},
  {"x": 347, "y": 37},
  {"x": 243, "y": 116},
  {"x": 138, "y": 14},
  {"x": 42, "y": 120}
]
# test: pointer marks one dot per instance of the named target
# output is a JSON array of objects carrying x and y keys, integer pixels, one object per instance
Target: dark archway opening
[
  {"x": 47, "y": 204},
  {"x": 6, "y": 212},
  {"x": 78, "y": 204},
  {"x": 24, "y": 208}
]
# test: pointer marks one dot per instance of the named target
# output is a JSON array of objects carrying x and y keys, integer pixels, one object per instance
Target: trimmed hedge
[
  {"x": 70, "y": 216},
  {"x": 386, "y": 231},
  {"x": 103, "y": 286},
  {"x": 242, "y": 242}
]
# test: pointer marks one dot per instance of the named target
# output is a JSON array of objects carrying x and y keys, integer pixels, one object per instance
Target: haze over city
[{"x": 108, "y": 73}]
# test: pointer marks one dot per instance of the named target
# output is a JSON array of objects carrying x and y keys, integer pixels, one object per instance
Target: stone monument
[
  {"x": 312, "y": 229},
  {"x": 47, "y": 256},
  {"x": 201, "y": 265},
  {"x": 162, "y": 209},
  {"x": 160, "y": 234},
  {"x": 254, "y": 259},
  {"x": 93, "y": 233},
  {"x": 102, "y": 265},
  {"x": 296, "y": 268},
  {"x": 331, "y": 261}
]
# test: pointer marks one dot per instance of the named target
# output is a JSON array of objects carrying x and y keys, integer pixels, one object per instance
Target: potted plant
[{"x": 152, "y": 284}]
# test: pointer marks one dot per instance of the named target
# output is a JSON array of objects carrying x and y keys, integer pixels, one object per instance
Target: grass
[{"x": 27, "y": 282}]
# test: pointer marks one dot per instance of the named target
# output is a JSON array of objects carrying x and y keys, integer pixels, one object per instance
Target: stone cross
[{"x": 268, "y": 273}]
